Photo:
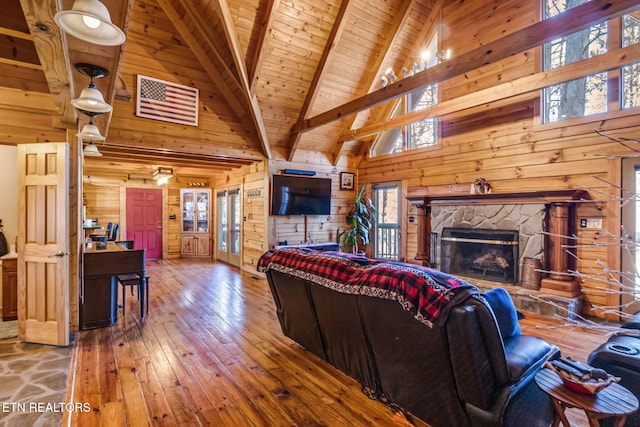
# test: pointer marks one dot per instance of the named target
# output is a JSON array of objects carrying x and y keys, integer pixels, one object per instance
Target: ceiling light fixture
[
  {"x": 91, "y": 131},
  {"x": 91, "y": 150},
  {"x": 91, "y": 99},
  {"x": 89, "y": 20}
]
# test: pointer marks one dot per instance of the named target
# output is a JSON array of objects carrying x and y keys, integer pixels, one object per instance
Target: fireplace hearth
[{"x": 483, "y": 253}]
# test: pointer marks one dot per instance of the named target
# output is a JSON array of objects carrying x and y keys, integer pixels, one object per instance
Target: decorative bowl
[
  {"x": 587, "y": 387},
  {"x": 585, "y": 379}
]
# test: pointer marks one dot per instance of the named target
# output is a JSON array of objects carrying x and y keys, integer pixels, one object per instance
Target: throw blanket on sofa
[{"x": 427, "y": 293}]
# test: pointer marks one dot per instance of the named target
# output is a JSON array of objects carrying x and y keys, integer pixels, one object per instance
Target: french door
[
  {"x": 630, "y": 247},
  {"x": 386, "y": 198},
  {"x": 229, "y": 214}
]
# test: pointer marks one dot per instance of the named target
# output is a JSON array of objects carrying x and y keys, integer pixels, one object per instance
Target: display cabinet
[{"x": 195, "y": 206}]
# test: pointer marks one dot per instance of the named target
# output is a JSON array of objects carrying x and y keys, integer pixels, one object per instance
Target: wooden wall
[{"x": 505, "y": 141}]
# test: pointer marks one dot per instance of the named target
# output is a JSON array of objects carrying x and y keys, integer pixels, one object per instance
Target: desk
[
  {"x": 99, "y": 293},
  {"x": 613, "y": 401}
]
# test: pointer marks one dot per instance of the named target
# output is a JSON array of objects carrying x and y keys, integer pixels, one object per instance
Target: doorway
[
  {"x": 144, "y": 220},
  {"x": 630, "y": 247},
  {"x": 386, "y": 198},
  {"x": 229, "y": 214}
]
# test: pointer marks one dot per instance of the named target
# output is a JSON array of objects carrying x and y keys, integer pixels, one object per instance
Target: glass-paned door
[
  {"x": 229, "y": 210},
  {"x": 188, "y": 212},
  {"x": 386, "y": 198},
  {"x": 630, "y": 246}
]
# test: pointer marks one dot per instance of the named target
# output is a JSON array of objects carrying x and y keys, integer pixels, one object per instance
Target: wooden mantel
[
  {"x": 422, "y": 196},
  {"x": 561, "y": 225}
]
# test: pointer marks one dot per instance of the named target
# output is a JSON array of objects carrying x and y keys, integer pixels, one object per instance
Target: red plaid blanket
[{"x": 427, "y": 293}]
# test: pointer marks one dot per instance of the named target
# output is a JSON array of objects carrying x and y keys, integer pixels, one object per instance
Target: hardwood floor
[{"x": 211, "y": 352}]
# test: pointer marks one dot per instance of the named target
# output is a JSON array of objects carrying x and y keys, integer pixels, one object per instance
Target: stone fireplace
[
  {"x": 526, "y": 221},
  {"x": 478, "y": 252},
  {"x": 540, "y": 221}
]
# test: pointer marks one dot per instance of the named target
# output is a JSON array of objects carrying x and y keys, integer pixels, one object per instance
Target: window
[
  {"x": 580, "y": 97},
  {"x": 630, "y": 73},
  {"x": 386, "y": 198},
  {"x": 419, "y": 134}
]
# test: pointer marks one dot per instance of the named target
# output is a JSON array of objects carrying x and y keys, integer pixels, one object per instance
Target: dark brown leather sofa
[{"x": 459, "y": 374}]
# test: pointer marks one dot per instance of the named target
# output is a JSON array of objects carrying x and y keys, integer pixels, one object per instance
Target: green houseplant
[{"x": 359, "y": 222}]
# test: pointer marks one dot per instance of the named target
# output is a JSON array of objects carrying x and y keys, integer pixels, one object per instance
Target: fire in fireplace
[{"x": 482, "y": 253}]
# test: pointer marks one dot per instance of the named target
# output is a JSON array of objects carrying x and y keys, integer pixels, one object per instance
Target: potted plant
[{"x": 359, "y": 222}]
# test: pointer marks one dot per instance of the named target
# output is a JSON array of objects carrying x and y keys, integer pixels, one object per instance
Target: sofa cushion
[{"x": 505, "y": 312}]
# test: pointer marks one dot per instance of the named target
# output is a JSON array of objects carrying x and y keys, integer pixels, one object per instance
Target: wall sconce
[
  {"x": 89, "y": 20},
  {"x": 444, "y": 55},
  {"x": 91, "y": 99}
]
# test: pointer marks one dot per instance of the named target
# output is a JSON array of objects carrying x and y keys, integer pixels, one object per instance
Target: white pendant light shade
[
  {"x": 91, "y": 131},
  {"x": 91, "y": 150},
  {"x": 89, "y": 20},
  {"x": 91, "y": 99}
]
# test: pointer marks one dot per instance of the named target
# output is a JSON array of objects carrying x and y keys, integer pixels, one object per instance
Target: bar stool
[{"x": 132, "y": 280}]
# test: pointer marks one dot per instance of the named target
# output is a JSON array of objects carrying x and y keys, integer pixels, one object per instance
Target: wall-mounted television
[{"x": 300, "y": 195}]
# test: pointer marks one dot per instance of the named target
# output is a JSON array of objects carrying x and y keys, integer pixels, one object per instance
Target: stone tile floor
[{"x": 33, "y": 383}]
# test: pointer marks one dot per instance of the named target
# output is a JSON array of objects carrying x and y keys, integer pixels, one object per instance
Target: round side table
[{"x": 613, "y": 401}]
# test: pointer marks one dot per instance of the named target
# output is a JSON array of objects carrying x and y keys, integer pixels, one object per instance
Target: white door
[{"x": 43, "y": 243}]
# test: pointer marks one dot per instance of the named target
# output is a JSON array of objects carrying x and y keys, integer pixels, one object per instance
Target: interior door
[
  {"x": 228, "y": 214},
  {"x": 43, "y": 243},
  {"x": 144, "y": 220}
]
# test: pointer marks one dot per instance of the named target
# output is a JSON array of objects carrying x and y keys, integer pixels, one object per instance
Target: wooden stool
[
  {"x": 128, "y": 280},
  {"x": 613, "y": 401}
]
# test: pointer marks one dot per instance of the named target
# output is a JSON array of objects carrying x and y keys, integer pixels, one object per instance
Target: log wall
[{"x": 506, "y": 143}]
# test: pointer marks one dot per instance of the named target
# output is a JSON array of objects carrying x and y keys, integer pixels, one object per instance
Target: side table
[{"x": 613, "y": 401}]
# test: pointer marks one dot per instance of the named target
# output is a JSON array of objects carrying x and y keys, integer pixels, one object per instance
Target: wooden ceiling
[
  {"x": 262, "y": 67},
  {"x": 277, "y": 79}
]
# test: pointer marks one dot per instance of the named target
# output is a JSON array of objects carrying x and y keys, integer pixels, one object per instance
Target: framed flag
[{"x": 170, "y": 102}]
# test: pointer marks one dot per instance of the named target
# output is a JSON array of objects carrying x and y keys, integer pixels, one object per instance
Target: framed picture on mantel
[{"x": 346, "y": 180}]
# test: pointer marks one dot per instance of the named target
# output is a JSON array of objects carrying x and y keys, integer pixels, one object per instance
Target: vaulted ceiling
[
  {"x": 279, "y": 79},
  {"x": 262, "y": 67}
]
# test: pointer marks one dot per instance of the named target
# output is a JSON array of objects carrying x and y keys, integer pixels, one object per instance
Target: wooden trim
[{"x": 255, "y": 67}]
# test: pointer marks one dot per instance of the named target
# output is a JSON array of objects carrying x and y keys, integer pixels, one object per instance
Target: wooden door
[
  {"x": 43, "y": 243},
  {"x": 144, "y": 220}
]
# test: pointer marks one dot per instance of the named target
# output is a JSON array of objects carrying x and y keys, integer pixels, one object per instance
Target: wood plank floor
[{"x": 211, "y": 352}]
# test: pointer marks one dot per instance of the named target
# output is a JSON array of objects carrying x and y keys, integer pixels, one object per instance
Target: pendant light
[
  {"x": 89, "y": 20},
  {"x": 91, "y": 98},
  {"x": 91, "y": 150},
  {"x": 91, "y": 131}
]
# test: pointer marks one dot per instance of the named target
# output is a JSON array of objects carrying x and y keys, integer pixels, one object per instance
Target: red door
[{"x": 144, "y": 220}]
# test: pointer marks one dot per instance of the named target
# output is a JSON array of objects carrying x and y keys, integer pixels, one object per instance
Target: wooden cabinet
[
  {"x": 195, "y": 207},
  {"x": 9, "y": 289}
]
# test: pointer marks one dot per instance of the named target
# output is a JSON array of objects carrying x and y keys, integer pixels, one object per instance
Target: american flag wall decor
[{"x": 166, "y": 101}]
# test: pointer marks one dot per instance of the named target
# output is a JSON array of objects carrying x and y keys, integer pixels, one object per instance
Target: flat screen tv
[{"x": 300, "y": 195}]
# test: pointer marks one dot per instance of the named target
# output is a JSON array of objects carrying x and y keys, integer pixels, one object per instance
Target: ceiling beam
[
  {"x": 53, "y": 54},
  {"x": 234, "y": 45},
  {"x": 398, "y": 24},
  {"x": 605, "y": 62},
  {"x": 327, "y": 54},
  {"x": 210, "y": 67},
  {"x": 255, "y": 67},
  {"x": 578, "y": 18}
]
